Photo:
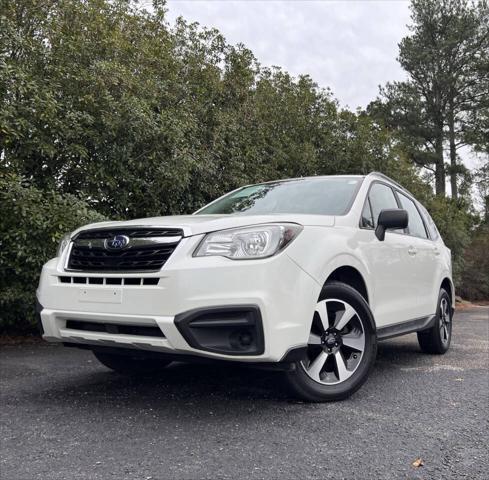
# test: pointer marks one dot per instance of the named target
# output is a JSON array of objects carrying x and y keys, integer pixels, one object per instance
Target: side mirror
[{"x": 390, "y": 219}]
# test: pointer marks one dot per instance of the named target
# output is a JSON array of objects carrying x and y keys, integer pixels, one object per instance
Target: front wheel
[
  {"x": 341, "y": 348},
  {"x": 130, "y": 365}
]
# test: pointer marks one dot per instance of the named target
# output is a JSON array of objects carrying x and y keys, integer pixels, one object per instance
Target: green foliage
[
  {"x": 475, "y": 276},
  {"x": 105, "y": 102},
  {"x": 455, "y": 225},
  {"x": 442, "y": 106},
  {"x": 108, "y": 103},
  {"x": 31, "y": 224},
  {"x": 482, "y": 184}
]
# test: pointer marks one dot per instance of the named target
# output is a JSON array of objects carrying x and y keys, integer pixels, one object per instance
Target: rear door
[{"x": 392, "y": 269}]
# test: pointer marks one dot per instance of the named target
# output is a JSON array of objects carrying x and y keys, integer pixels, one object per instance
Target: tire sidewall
[
  {"x": 442, "y": 346},
  {"x": 314, "y": 391}
]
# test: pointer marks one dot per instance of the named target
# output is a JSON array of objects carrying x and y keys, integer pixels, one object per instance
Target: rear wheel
[
  {"x": 341, "y": 347},
  {"x": 437, "y": 338},
  {"x": 130, "y": 365}
]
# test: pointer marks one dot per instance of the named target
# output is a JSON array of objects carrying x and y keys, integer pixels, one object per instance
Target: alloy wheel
[
  {"x": 336, "y": 342},
  {"x": 444, "y": 321}
]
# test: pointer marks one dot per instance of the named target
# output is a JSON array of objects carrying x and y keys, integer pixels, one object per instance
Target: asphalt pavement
[{"x": 64, "y": 416}]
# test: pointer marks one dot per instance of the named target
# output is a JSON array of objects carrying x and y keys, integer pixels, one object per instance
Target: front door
[{"x": 391, "y": 263}]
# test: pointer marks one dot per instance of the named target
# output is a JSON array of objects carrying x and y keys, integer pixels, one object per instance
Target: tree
[
  {"x": 482, "y": 185},
  {"x": 476, "y": 266},
  {"x": 31, "y": 224},
  {"x": 107, "y": 108},
  {"x": 446, "y": 57},
  {"x": 404, "y": 112}
]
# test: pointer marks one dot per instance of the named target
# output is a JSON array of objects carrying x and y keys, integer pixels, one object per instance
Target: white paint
[{"x": 285, "y": 286}]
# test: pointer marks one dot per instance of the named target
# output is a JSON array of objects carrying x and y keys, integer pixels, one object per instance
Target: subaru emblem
[{"x": 117, "y": 243}]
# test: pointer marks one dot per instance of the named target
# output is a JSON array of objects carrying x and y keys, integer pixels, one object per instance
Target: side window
[
  {"x": 416, "y": 225},
  {"x": 367, "y": 219},
  {"x": 381, "y": 197},
  {"x": 430, "y": 224}
]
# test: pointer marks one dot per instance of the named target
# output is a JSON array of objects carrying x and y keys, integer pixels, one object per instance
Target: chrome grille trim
[
  {"x": 147, "y": 251},
  {"x": 136, "y": 242}
]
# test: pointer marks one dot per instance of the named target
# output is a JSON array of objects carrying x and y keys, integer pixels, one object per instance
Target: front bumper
[{"x": 283, "y": 295}]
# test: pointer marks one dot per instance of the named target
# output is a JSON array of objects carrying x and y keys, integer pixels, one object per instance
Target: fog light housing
[
  {"x": 230, "y": 330},
  {"x": 241, "y": 340}
]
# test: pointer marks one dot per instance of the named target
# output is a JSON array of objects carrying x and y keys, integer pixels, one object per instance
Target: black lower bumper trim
[
  {"x": 115, "y": 328},
  {"x": 295, "y": 354},
  {"x": 404, "y": 328},
  {"x": 39, "y": 309},
  {"x": 230, "y": 330}
]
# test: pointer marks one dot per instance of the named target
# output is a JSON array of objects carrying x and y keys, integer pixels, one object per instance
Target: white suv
[{"x": 304, "y": 275}]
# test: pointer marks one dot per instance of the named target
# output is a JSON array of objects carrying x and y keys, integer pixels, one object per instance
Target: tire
[
  {"x": 130, "y": 365},
  {"x": 436, "y": 340},
  {"x": 345, "y": 343}
]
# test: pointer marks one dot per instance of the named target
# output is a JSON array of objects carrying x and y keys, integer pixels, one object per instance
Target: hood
[{"x": 198, "y": 224}]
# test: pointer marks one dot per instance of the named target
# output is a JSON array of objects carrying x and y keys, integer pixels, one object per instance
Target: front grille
[
  {"x": 115, "y": 328},
  {"x": 146, "y": 250},
  {"x": 130, "y": 232}
]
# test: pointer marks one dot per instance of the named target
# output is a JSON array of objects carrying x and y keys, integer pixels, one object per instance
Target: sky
[{"x": 349, "y": 46}]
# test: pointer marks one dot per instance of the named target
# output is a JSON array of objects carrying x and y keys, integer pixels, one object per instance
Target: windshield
[{"x": 315, "y": 196}]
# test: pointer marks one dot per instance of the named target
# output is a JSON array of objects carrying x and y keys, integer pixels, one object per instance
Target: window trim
[
  {"x": 367, "y": 200},
  {"x": 353, "y": 197}
]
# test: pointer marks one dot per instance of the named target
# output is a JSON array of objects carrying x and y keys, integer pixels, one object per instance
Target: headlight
[
  {"x": 63, "y": 243},
  {"x": 260, "y": 241}
]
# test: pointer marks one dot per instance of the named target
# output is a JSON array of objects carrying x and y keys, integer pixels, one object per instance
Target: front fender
[{"x": 315, "y": 251}]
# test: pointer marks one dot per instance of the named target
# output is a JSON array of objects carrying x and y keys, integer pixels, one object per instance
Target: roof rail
[{"x": 385, "y": 177}]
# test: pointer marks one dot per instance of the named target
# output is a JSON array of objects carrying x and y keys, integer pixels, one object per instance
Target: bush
[
  {"x": 455, "y": 224},
  {"x": 475, "y": 276},
  {"x": 31, "y": 224}
]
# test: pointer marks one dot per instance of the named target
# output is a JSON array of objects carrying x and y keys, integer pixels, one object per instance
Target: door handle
[
  {"x": 412, "y": 251},
  {"x": 436, "y": 251}
]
